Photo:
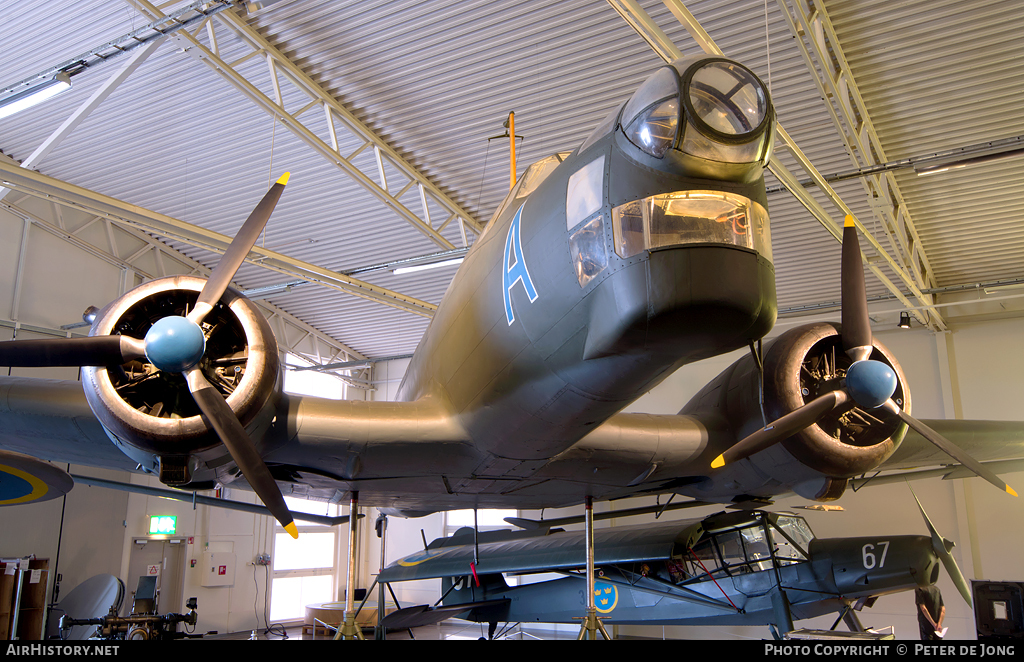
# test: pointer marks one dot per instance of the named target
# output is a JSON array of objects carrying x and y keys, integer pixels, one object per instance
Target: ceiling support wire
[{"x": 768, "y": 47}]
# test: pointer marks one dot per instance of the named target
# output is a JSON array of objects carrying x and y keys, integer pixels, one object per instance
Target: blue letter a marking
[{"x": 516, "y": 271}]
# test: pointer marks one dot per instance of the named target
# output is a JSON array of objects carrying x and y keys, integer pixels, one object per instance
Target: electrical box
[{"x": 218, "y": 569}]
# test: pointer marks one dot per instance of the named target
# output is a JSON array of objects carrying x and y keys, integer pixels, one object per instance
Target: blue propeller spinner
[
  {"x": 175, "y": 344},
  {"x": 871, "y": 383}
]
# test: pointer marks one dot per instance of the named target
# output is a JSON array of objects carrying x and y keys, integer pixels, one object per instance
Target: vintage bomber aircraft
[
  {"x": 603, "y": 271},
  {"x": 738, "y": 568}
]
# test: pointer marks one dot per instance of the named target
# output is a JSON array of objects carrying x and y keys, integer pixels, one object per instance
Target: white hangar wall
[
  {"x": 54, "y": 262},
  {"x": 974, "y": 372}
]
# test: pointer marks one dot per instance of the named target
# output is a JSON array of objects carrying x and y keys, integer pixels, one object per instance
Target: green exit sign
[{"x": 162, "y": 524}]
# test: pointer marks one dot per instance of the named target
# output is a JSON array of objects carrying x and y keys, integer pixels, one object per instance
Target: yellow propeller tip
[
  {"x": 283, "y": 181},
  {"x": 1010, "y": 490},
  {"x": 719, "y": 462},
  {"x": 848, "y": 222},
  {"x": 292, "y": 530}
]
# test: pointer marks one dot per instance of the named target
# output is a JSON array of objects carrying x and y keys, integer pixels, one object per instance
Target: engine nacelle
[
  {"x": 800, "y": 365},
  {"x": 151, "y": 414}
]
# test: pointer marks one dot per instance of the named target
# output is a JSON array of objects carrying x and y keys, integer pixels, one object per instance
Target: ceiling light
[
  {"x": 432, "y": 265},
  {"x": 904, "y": 320},
  {"x": 35, "y": 93},
  {"x": 272, "y": 290}
]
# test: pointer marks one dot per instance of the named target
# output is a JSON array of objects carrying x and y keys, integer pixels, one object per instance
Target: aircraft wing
[
  {"x": 562, "y": 550},
  {"x": 983, "y": 440},
  {"x": 50, "y": 419}
]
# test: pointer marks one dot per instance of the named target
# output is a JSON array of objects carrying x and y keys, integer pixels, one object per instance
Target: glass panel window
[
  {"x": 303, "y": 571},
  {"x": 690, "y": 217},
  {"x": 697, "y": 144},
  {"x": 311, "y": 382},
  {"x": 663, "y": 83},
  {"x": 727, "y": 98},
  {"x": 795, "y": 529},
  {"x": 701, "y": 560},
  {"x": 536, "y": 174},
  {"x": 654, "y": 130},
  {"x": 488, "y": 519},
  {"x": 585, "y": 193},
  {"x": 292, "y": 594},
  {"x": 310, "y": 550},
  {"x": 586, "y": 245}
]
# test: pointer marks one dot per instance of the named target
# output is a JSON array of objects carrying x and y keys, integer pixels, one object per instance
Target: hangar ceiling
[{"x": 383, "y": 114}]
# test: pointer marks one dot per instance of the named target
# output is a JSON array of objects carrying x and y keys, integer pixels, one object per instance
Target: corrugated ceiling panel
[{"x": 437, "y": 80}]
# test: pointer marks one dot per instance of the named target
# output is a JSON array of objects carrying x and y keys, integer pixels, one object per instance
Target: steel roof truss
[
  {"x": 823, "y": 54},
  {"x": 329, "y": 145},
  {"x": 48, "y": 188}
]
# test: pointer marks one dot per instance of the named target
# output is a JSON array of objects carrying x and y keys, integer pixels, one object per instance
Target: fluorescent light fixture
[
  {"x": 432, "y": 265},
  {"x": 36, "y": 93},
  {"x": 271, "y": 290}
]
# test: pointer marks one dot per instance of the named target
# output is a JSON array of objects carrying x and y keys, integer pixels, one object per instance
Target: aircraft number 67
[{"x": 868, "y": 556}]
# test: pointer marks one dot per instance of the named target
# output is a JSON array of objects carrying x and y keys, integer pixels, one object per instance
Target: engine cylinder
[{"x": 809, "y": 361}]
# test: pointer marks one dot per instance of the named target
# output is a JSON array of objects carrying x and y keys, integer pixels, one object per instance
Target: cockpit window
[
  {"x": 531, "y": 179},
  {"x": 728, "y": 98},
  {"x": 690, "y": 217},
  {"x": 585, "y": 192},
  {"x": 663, "y": 84},
  {"x": 537, "y": 173},
  {"x": 791, "y": 539},
  {"x": 743, "y": 549}
]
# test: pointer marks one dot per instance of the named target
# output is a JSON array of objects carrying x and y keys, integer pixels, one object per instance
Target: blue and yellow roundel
[
  {"x": 17, "y": 486},
  {"x": 420, "y": 557},
  {"x": 606, "y": 596}
]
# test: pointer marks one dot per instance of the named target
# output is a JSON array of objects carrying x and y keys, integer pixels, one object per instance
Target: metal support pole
[
  {"x": 349, "y": 629},
  {"x": 591, "y": 624},
  {"x": 382, "y": 533}
]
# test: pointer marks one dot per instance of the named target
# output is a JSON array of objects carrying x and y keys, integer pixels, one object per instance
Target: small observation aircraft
[
  {"x": 735, "y": 568},
  {"x": 605, "y": 269}
]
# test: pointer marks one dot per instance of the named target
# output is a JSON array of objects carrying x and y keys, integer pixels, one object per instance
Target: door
[{"x": 163, "y": 558}]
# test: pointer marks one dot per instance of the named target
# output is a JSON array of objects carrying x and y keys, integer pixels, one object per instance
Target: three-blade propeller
[
  {"x": 177, "y": 344},
  {"x": 869, "y": 384}
]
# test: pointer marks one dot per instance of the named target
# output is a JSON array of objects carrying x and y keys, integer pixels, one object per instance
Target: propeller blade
[
  {"x": 942, "y": 549},
  {"x": 788, "y": 425},
  {"x": 89, "y": 351},
  {"x": 240, "y": 246},
  {"x": 949, "y": 448},
  {"x": 856, "y": 325},
  {"x": 242, "y": 451}
]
